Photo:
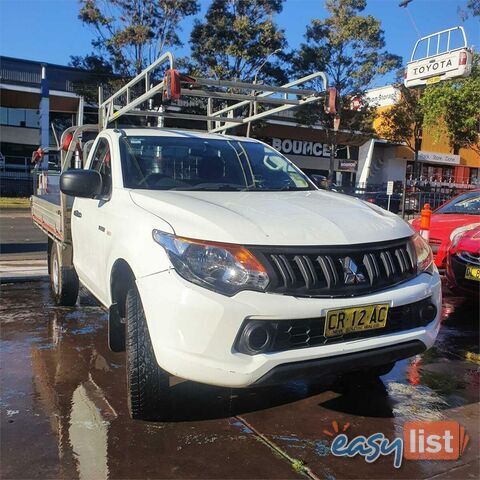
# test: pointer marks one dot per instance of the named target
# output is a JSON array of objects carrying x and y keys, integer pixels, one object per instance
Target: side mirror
[{"x": 81, "y": 183}]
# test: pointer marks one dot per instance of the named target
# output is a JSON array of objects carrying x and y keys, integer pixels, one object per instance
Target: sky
[{"x": 49, "y": 30}]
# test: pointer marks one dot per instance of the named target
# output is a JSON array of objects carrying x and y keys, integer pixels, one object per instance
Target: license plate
[
  {"x": 355, "y": 319},
  {"x": 472, "y": 273},
  {"x": 431, "y": 80}
]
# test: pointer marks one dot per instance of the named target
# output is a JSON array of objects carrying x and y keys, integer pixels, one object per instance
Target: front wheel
[
  {"x": 147, "y": 384},
  {"x": 63, "y": 281}
]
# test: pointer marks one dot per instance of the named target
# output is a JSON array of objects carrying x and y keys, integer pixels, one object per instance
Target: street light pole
[
  {"x": 250, "y": 110},
  {"x": 333, "y": 147}
]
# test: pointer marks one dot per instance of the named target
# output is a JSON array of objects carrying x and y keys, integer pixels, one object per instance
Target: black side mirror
[{"x": 81, "y": 183}]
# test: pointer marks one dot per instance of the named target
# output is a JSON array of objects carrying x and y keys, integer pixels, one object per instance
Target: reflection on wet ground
[{"x": 64, "y": 412}]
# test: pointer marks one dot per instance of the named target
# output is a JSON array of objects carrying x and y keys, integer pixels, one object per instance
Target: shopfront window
[
  {"x": 434, "y": 173},
  {"x": 474, "y": 180},
  {"x": 19, "y": 117}
]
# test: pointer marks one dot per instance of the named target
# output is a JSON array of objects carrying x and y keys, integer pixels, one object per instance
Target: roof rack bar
[
  {"x": 261, "y": 115},
  {"x": 153, "y": 81},
  {"x": 113, "y": 115},
  {"x": 209, "y": 82},
  {"x": 236, "y": 96},
  {"x": 308, "y": 78},
  {"x": 183, "y": 116}
]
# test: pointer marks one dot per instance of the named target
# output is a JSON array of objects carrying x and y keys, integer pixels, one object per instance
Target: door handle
[{"x": 77, "y": 213}]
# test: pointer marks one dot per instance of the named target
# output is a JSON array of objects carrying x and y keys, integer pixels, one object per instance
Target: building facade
[
  {"x": 381, "y": 161},
  {"x": 23, "y": 116}
]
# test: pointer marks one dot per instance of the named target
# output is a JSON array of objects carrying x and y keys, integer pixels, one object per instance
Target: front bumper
[
  {"x": 193, "y": 330},
  {"x": 456, "y": 277}
]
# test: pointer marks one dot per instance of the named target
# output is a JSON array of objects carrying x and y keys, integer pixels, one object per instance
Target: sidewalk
[
  {"x": 16, "y": 269},
  {"x": 23, "y": 248}
]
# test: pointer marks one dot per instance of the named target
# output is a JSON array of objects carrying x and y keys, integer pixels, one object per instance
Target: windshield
[
  {"x": 189, "y": 163},
  {"x": 468, "y": 203}
]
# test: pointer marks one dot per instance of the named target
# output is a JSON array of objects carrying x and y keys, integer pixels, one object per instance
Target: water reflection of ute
[{"x": 79, "y": 413}]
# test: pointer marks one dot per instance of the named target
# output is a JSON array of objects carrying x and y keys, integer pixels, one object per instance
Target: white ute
[{"x": 220, "y": 262}]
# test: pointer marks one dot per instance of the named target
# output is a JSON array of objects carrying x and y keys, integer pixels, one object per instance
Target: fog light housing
[
  {"x": 256, "y": 337},
  {"x": 428, "y": 312}
]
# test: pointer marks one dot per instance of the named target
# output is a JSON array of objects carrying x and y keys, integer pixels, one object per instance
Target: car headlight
[
  {"x": 424, "y": 254},
  {"x": 455, "y": 235},
  {"x": 222, "y": 267}
]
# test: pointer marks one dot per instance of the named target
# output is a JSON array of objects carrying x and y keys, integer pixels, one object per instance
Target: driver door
[{"x": 89, "y": 226}]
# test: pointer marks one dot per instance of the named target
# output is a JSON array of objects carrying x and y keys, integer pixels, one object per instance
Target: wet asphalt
[{"x": 64, "y": 410}]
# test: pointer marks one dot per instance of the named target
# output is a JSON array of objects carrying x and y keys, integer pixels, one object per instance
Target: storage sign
[{"x": 432, "y": 157}]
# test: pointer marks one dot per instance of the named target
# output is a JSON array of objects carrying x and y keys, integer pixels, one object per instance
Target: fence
[
  {"x": 409, "y": 198},
  {"x": 16, "y": 184},
  {"x": 15, "y": 163}
]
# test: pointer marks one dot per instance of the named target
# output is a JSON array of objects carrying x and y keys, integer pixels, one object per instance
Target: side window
[{"x": 101, "y": 162}]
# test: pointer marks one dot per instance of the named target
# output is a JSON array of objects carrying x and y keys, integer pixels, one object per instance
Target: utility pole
[{"x": 333, "y": 151}]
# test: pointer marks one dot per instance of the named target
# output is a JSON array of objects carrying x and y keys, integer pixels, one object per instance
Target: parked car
[
  {"x": 381, "y": 199},
  {"x": 459, "y": 211},
  {"x": 463, "y": 261}
]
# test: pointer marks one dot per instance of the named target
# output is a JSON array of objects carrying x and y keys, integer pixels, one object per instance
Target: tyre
[
  {"x": 63, "y": 281},
  {"x": 147, "y": 384}
]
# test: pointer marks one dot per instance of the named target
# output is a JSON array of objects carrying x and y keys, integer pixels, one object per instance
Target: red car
[
  {"x": 459, "y": 211},
  {"x": 463, "y": 261}
]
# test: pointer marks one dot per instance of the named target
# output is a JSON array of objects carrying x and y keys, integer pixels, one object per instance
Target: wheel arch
[{"x": 121, "y": 279}]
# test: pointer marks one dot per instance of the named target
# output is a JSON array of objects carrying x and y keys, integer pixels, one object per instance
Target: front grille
[
  {"x": 309, "y": 332},
  {"x": 469, "y": 257},
  {"x": 338, "y": 271}
]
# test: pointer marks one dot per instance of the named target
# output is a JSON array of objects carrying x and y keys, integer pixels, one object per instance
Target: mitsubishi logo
[{"x": 352, "y": 275}]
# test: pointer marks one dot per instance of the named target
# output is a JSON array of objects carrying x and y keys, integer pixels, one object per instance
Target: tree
[
  {"x": 403, "y": 121},
  {"x": 238, "y": 39},
  {"x": 100, "y": 72},
  {"x": 349, "y": 47},
  {"x": 452, "y": 108},
  {"x": 471, "y": 8},
  {"x": 130, "y": 34},
  {"x": 474, "y": 7}
]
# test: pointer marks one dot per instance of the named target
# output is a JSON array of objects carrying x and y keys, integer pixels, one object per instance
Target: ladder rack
[
  {"x": 139, "y": 97},
  {"x": 433, "y": 43}
]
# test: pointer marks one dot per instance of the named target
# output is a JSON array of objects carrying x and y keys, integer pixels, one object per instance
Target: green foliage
[
  {"x": 452, "y": 108},
  {"x": 349, "y": 47},
  {"x": 402, "y": 122},
  {"x": 132, "y": 33},
  {"x": 472, "y": 8},
  {"x": 238, "y": 39}
]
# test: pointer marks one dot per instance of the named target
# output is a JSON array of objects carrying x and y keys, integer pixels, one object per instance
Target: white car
[{"x": 230, "y": 268}]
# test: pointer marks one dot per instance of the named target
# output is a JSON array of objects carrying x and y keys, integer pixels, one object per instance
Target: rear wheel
[
  {"x": 148, "y": 385},
  {"x": 63, "y": 281}
]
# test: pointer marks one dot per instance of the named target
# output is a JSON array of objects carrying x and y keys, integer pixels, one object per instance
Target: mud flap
[{"x": 116, "y": 330}]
